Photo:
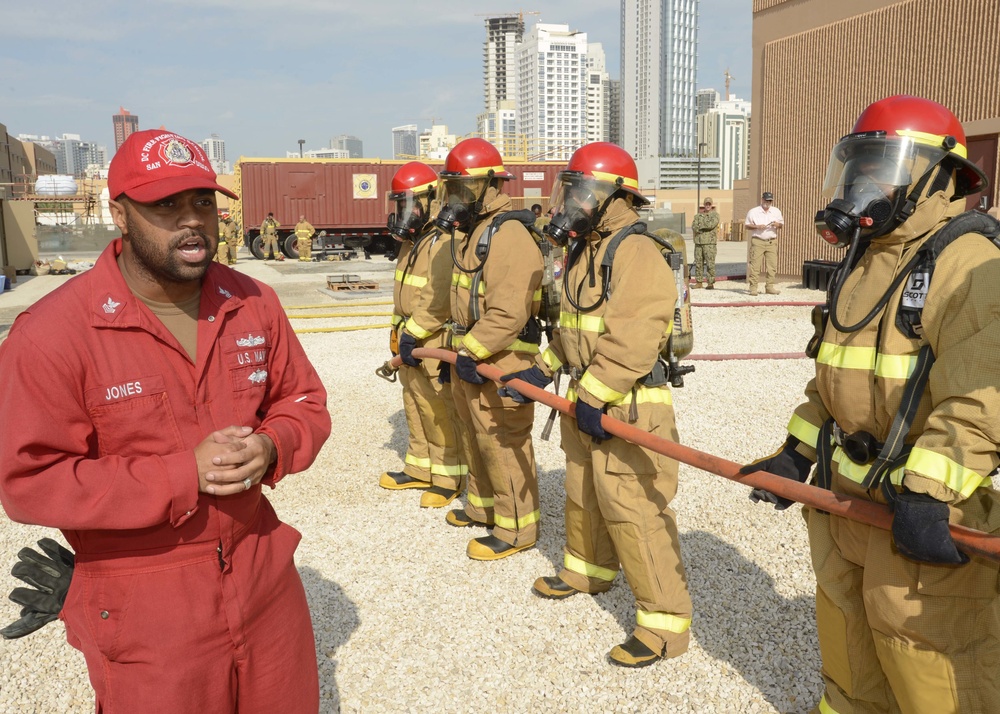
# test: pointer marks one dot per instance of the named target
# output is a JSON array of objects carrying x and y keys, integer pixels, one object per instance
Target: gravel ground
[{"x": 405, "y": 622}]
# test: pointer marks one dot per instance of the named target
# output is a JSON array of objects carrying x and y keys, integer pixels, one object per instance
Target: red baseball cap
[{"x": 156, "y": 163}]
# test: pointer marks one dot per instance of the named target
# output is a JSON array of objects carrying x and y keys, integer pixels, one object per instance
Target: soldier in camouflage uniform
[{"x": 705, "y": 228}]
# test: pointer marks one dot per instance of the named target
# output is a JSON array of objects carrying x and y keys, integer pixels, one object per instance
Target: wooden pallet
[{"x": 352, "y": 285}]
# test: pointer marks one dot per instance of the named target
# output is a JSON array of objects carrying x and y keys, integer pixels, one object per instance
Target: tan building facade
[{"x": 817, "y": 64}]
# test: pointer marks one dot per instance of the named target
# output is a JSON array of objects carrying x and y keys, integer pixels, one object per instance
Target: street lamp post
[
  {"x": 301, "y": 142},
  {"x": 701, "y": 146}
]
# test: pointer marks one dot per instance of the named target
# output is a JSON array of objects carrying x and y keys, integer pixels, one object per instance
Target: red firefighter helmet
[
  {"x": 475, "y": 157},
  {"x": 415, "y": 177},
  {"x": 606, "y": 162}
]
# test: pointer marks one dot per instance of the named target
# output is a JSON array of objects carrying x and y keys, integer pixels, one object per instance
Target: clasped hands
[{"x": 232, "y": 460}]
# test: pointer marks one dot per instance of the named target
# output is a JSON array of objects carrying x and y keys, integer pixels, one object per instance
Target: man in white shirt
[{"x": 764, "y": 222}]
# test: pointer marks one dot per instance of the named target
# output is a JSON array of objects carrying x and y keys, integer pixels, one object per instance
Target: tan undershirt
[{"x": 180, "y": 319}]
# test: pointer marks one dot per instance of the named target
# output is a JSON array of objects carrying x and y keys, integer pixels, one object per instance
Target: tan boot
[
  {"x": 753, "y": 292},
  {"x": 771, "y": 290},
  {"x": 696, "y": 286}
]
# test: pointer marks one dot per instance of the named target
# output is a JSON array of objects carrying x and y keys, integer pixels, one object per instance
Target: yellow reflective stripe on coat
[
  {"x": 867, "y": 358},
  {"x": 803, "y": 431},
  {"x": 516, "y": 524},
  {"x": 857, "y": 472},
  {"x": 397, "y": 320},
  {"x": 576, "y": 565},
  {"x": 479, "y": 502},
  {"x": 662, "y": 621},
  {"x": 464, "y": 280},
  {"x": 584, "y": 323},
  {"x": 643, "y": 395},
  {"x": 416, "y": 281},
  {"x": 449, "y": 470},
  {"x": 479, "y": 350},
  {"x": 939, "y": 467},
  {"x": 418, "y": 462},
  {"x": 416, "y": 330},
  {"x": 550, "y": 360},
  {"x": 824, "y": 706},
  {"x": 599, "y": 389}
]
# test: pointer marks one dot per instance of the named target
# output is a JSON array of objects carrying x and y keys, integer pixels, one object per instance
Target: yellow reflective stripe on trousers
[
  {"x": 857, "y": 472},
  {"x": 575, "y": 565},
  {"x": 867, "y": 358},
  {"x": 452, "y": 470},
  {"x": 662, "y": 621},
  {"x": 416, "y": 330},
  {"x": 416, "y": 281},
  {"x": 464, "y": 280},
  {"x": 517, "y": 524},
  {"x": 824, "y": 706},
  {"x": 479, "y": 502},
  {"x": 418, "y": 462},
  {"x": 939, "y": 467},
  {"x": 584, "y": 323},
  {"x": 550, "y": 359},
  {"x": 803, "y": 431},
  {"x": 643, "y": 395}
]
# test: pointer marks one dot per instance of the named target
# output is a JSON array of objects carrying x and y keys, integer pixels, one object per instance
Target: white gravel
[{"x": 405, "y": 622}]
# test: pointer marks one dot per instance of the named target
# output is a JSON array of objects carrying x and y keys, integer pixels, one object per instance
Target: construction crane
[
  {"x": 728, "y": 78},
  {"x": 520, "y": 14}
]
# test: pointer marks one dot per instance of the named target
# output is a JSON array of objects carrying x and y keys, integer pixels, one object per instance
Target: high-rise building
[
  {"x": 659, "y": 62},
  {"x": 436, "y": 142},
  {"x": 724, "y": 133},
  {"x": 552, "y": 91},
  {"x": 705, "y": 99},
  {"x": 503, "y": 36},
  {"x": 73, "y": 155},
  {"x": 215, "y": 148},
  {"x": 500, "y": 128},
  {"x": 404, "y": 141},
  {"x": 351, "y": 144},
  {"x": 597, "y": 93},
  {"x": 125, "y": 123},
  {"x": 613, "y": 103}
]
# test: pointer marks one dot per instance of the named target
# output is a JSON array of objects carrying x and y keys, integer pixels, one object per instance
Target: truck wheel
[
  {"x": 257, "y": 247},
  {"x": 291, "y": 247}
]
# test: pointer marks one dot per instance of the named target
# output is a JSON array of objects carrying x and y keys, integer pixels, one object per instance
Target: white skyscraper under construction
[{"x": 659, "y": 52}]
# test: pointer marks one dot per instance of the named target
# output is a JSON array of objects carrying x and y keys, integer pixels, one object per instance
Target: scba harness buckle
[{"x": 860, "y": 447}]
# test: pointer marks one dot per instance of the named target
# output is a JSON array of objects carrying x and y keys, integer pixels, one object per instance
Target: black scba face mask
[
  {"x": 408, "y": 226},
  {"x": 454, "y": 216},
  {"x": 565, "y": 226}
]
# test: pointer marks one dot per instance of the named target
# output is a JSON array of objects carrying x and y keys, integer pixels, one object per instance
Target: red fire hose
[
  {"x": 969, "y": 540},
  {"x": 768, "y": 303}
]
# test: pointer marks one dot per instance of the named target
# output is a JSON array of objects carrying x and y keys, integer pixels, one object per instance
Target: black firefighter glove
[
  {"x": 407, "y": 343},
  {"x": 533, "y": 376},
  {"x": 588, "y": 420},
  {"x": 920, "y": 530},
  {"x": 49, "y": 578},
  {"x": 787, "y": 463},
  {"x": 465, "y": 366},
  {"x": 444, "y": 373}
]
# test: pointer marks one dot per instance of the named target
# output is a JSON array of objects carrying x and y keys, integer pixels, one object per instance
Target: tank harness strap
[
  {"x": 527, "y": 218},
  {"x": 903, "y": 420},
  {"x": 824, "y": 455}
]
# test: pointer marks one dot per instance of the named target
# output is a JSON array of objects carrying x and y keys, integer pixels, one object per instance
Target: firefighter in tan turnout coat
[
  {"x": 906, "y": 622},
  {"x": 434, "y": 458},
  {"x": 611, "y": 332},
  {"x": 495, "y": 296}
]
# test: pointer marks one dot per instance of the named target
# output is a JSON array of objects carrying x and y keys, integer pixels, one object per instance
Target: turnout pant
[
  {"x": 435, "y": 431},
  {"x": 617, "y": 515},
  {"x": 503, "y": 483},
  {"x": 901, "y": 636},
  {"x": 305, "y": 248},
  {"x": 177, "y": 631}
]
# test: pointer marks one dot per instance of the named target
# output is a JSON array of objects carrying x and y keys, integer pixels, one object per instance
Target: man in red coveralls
[{"x": 153, "y": 396}]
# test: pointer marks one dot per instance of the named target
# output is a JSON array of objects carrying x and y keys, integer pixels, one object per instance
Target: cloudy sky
[{"x": 264, "y": 73}]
